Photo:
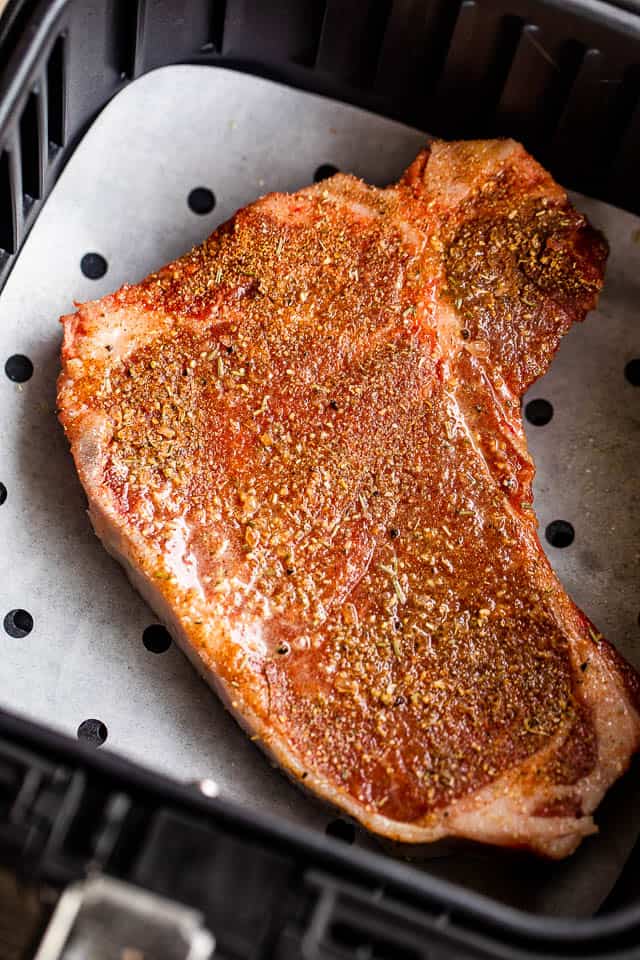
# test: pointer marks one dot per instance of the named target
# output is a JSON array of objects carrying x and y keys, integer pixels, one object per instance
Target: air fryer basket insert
[{"x": 562, "y": 77}]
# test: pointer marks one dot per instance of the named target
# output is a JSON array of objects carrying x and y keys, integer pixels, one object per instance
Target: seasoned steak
[{"x": 303, "y": 441}]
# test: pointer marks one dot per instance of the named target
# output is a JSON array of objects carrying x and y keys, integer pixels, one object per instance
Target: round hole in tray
[
  {"x": 632, "y": 372},
  {"x": 18, "y": 368},
  {"x": 324, "y": 171},
  {"x": 560, "y": 533},
  {"x": 93, "y": 265},
  {"x": 93, "y": 731},
  {"x": 538, "y": 412},
  {"x": 341, "y": 830},
  {"x": 18, "y": 623},
  {"x": 156, "y": 638},
  {"x": 201, "y": 200},
  {"x": 3, "y": 493}
]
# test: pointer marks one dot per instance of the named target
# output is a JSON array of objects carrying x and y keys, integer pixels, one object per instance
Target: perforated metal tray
[{"x": 124, "y": 196}]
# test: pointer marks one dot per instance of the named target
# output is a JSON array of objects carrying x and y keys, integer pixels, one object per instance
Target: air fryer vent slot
[
  {"x": 587, "y": 110},
  {"x": 126, "y": 37},
  {"x": 506, "y": 43},
  {"x": 530, "y": 77},
  {"x": 216, "y": 24},
  {"x": 288, "y": 31},
  {"x": 7, "y": 213},
  {"x": 625, "y": 104},
  {"x": 462, "y": 79},
  {"x": 55, "y": 97},
  {"x": 30, "y": 150},
  {"x": 352, "y": 40}
]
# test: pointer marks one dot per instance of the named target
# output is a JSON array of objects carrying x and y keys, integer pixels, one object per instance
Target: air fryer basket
[{"x": 562, "y": 77}]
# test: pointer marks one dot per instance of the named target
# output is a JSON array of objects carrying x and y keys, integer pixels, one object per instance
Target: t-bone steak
[{"x": 303, "y": 441}]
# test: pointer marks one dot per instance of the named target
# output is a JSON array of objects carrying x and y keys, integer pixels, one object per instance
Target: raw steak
[{"x": 303, "y": 441}]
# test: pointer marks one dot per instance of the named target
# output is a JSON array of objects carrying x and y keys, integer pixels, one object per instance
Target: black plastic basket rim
[{"x": 494, "y": 917}]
